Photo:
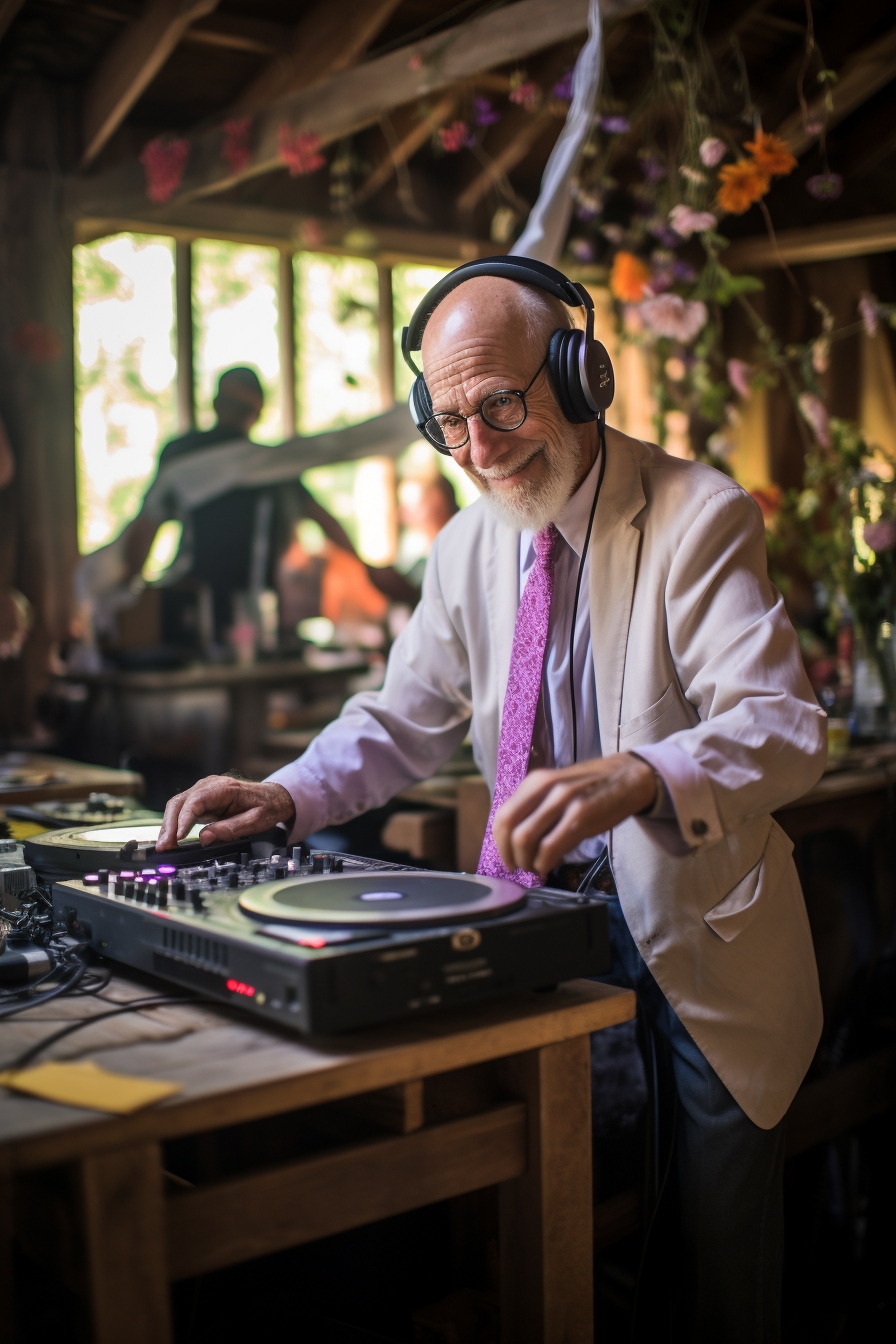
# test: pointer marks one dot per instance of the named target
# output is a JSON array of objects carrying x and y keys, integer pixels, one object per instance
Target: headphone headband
[{"x": 525, "y": 270}]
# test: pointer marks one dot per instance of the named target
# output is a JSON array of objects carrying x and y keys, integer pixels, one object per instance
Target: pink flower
[
  {"x": 164, "y": 164},
  {"x": 454, "y": 137},
  {"x": 881, "y": 536},
  {"x": 526, "y": 94},
  {"x": 868, "y": 312},
  {"x": 712, "y": 151},
  {"x": 415, "y": 61},
  {"x": 235, "y": 151},
  {"x": 814, "y": 127},
  {"x": 739, "y": 375},
  {"x": 825, "y": 186},
  {"x": 299, "y": 151},
  {"x": 615, "y": 125},
  {"x": 672, "y": 316},
  {"x": 692, "y": 174},
  {"x": 821, "y": 353},
  {"x": 686, "y": 221},
  {"x": 813, "y": 412}
]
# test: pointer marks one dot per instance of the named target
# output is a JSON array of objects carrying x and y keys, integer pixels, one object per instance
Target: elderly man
[{"x": 658, "y": 722}]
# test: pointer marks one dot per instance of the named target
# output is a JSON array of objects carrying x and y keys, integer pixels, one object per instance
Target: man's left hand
[{"x": 554, "y": 810}]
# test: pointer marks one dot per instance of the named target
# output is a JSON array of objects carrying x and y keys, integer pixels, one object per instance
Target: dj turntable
[
  {"x": 317, "y": 941},
  {"x": 91, "y": 811}
]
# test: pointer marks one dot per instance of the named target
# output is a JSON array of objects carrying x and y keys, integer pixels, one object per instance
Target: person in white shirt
[{"x": 684, "y": 720}]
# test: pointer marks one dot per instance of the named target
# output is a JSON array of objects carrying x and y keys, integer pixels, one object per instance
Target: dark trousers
[{"x": 723, "y": 1251}]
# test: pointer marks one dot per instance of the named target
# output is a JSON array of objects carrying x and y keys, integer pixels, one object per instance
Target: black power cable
[
  {"x": 20, "y": 1061},
  {"x": 575, "y": 605}
]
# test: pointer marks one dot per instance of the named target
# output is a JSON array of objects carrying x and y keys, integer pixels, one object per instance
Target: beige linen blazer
[{"x": 697, "y": 669}]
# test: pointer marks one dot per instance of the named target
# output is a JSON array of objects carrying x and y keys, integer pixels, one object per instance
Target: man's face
[
  {"x": 237, "y": 407},
  {"x": 478, "y": 345}
]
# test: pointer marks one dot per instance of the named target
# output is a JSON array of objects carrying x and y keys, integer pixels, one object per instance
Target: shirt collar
[{"x": 572, "y": 520}]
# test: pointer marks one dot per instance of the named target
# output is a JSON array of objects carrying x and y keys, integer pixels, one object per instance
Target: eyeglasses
[{"x": 504, "y": 410}]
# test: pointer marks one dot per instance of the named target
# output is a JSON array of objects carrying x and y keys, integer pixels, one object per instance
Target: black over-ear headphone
[{"x": 578, "y": 364}]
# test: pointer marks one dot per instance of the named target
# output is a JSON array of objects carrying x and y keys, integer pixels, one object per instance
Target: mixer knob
[
  {"x": 119, "y": 886},
  {"x": 336, "y": 866},
  {"x": 129, "y": 890},
  {"x": 163, "y": 886},
  {"x": 317, "y": 863},
  {"x": 233, "y": 879},
  {"x": 151, "y": 893},
  {"x": 178, "y": 889},
  {"x": 300, "y": 854},
  {"x": 103, "y": 875},
  {"x": 196, "y": 899},
  {"x": 162, "y": 897}
]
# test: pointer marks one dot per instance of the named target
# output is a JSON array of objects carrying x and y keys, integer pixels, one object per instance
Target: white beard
[{"x": 530, "y": 506}]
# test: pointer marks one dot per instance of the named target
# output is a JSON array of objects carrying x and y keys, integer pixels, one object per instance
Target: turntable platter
[{"x": 412, "y": 900}]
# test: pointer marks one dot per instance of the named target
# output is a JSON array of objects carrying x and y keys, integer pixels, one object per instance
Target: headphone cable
[{"x": 575, "y": 605}]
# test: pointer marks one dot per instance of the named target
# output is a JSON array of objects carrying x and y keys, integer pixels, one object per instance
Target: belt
[{"x": 569, "y": 877}]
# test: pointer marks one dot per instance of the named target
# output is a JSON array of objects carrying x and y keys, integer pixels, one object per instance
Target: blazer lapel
[{"x": 614, "y": 562}]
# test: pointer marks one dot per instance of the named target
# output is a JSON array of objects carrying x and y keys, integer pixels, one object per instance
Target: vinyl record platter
[{"x": 318, "y": 941}]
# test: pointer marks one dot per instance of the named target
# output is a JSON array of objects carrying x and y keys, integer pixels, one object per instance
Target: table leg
[
  {"x": 545, "y": 1224},
  {"x": 124, "y": 1244}
]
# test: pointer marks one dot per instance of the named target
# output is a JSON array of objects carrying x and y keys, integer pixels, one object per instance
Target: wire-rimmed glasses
[{"x": 504, "y": 410}]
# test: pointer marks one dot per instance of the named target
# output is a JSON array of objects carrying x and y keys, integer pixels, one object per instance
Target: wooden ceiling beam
[
  {"x": 863, "y": 75},
  {"x": 237, "y": 32},
  {"x": 821, "y": 242},
  {"x": 347, "y": 102},
  {"x": 332, "y": 36},
  {"x": 415, "y": 138},
  {"x": 8, "y": 11},
  {"x": 506, "y": 159},
  {"x": 131, "y": 63}
]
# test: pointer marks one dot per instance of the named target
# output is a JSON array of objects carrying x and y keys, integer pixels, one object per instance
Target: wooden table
[
  {"x": 69, "y": 779},
  {"x": 493, "y": 1095}
]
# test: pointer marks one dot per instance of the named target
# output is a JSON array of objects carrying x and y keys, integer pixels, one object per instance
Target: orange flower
[
  {"x": 628, "y": 277},
  {"x": 743, "y": 183},
  {"x": 771, "y": 155}
]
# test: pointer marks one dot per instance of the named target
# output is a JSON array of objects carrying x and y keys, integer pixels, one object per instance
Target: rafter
[
  {"x": 822, "y": 242},
  {"x": 330, "y": 37},
  {"x": 8, "y": 11},
  {"x": 506, "y": 160},
  {"x": 131, "y": 63},
  {"x": 416, "y": 137},
  {"x": 347, "y": 102},
  {"x": 862, "y": 76}
]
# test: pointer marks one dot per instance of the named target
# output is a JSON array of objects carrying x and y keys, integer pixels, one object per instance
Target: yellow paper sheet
[{"x": 87, "y": 1084}]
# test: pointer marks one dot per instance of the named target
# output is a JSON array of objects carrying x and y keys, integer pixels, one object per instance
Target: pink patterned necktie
[{"x": 530, "y": 637}]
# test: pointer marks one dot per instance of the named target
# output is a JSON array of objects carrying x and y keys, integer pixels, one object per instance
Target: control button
[
  {"x": 337, "y": 866},
  {"x": 178, "y": 890},
  {"x": 119, "y": 886},
  {"x": 317, "y": 863},
  {"x": 129, "y": 890},
  {"x": 197, "y": 901},
  {"x": 162, "y": 897},
  {"x": 699, "y": 826},
  {"x": 279, "y": 872},
  {"x": 233, "y": 880},
  {"x": 103, "y": 875},
  {"x": 162, "y": 887}
]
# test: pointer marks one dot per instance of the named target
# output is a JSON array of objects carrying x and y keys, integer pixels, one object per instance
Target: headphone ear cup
[
  {"x": 582, "y": 412},
  {"x": 420, "y": 402},
  {"x": 557, "y": 368},
  {"x": 596, "y": 376}
]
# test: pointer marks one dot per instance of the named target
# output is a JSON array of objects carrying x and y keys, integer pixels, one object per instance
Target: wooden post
[
  {"x": 287, "y": 329},
  {"x": 183, "y": 299},
  {"x": 123, "y": 1211},
  {"x": 545, "y": 1218},
  {"x": 386, "y": 329}
]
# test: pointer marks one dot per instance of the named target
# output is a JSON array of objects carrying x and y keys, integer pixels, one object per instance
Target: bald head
[{"x": 489, "y": 335}]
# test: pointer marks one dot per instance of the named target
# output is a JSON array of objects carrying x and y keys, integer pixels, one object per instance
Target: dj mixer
[{"x": 318, "y": 941}]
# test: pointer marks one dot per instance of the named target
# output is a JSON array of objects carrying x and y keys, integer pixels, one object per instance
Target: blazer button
[{"x": 699, "y": 826}]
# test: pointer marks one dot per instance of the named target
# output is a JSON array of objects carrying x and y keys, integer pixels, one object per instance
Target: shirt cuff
[
  {"x": 309, "y": 794},
  {"x": 683, "y": 792}
]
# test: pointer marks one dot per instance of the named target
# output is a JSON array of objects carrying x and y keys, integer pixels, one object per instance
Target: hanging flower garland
[
  {"x": 164, "y": 163},
  {"x": 236, "y": 151}
]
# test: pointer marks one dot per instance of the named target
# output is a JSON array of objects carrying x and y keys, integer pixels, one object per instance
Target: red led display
[
  {"x": 237, "y": 987},
  {"x": 311, "y": 942}
]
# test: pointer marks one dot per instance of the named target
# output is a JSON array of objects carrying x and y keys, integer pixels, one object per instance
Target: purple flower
[
  {"x": 582, "y": 249},
  {"x": 868, "y": 312},
  {"x": 563, "y": 87},
  {"x": 483, "y": 112},
  {"x": 825, "y": 186},
  {"x": 588, "y": 203},
  {"x": 814, "y": 127},
  {"x": 881, "y": 536},
  {"x": 663, "y": 234},
  {"x": 684, "y": 271},
  {"x": 712, "y": 151},
  {"x": 672, "y": 316},
  {"x": 614, "y": 125},
  {"x": 813, "y": 412},
  {"x": 739, "y": 375},
  {"x": 653, "y": 168},
  {"x": 661, "y": 279}
]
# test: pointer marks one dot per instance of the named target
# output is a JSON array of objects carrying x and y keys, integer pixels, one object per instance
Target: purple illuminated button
[
  {"x": 126, "y": 875},
  {"x": 148, "y": 872},
  {"x": 167, "y": 869},
  {"x": 90, "y": 879},
  {"x": 382, "y": 896}
]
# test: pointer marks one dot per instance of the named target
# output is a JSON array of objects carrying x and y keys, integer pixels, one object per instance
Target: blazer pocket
[
  {"x": 649, "y": 715},
  {"x": 736, "y": 910}
]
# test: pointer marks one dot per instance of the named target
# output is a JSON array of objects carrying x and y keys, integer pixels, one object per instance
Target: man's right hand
[{"x": 234, "y": 807}]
